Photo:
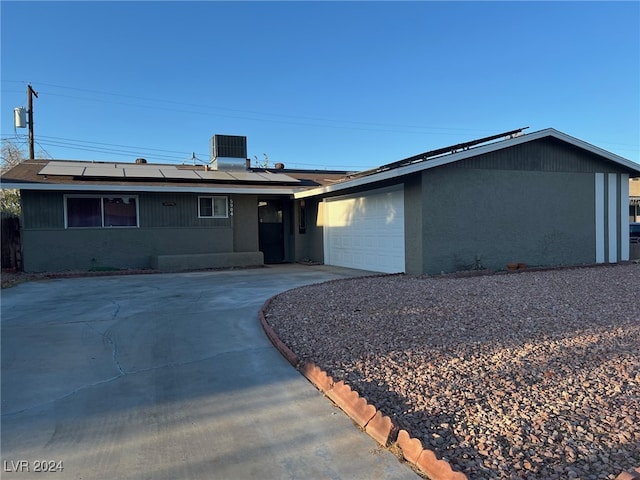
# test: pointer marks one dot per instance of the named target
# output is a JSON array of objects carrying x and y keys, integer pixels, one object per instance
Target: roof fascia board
[
  {"x": 455, "y": 157},
  {"x": 139, "y": 188}
]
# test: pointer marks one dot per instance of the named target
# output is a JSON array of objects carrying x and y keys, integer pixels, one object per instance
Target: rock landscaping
[{"x": 524, "y": 375}]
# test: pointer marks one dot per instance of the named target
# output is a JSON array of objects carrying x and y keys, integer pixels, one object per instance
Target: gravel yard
[{"x": 521, "y": 376}]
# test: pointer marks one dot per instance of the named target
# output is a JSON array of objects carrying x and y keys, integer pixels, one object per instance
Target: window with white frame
[
  {"x": 98, "y": 211},
  {"x": 213, "y": 207}
]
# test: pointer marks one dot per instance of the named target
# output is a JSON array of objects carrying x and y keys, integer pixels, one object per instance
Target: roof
[
  {"x": 460, "y": 152},
  {"x": 71, "y": 175}
]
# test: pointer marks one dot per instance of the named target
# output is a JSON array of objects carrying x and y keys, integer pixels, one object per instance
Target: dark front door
[{"x": 271, "y": 230}]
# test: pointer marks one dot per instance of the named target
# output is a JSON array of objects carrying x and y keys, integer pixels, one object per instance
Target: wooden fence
[{"x": 11, "y": 245}]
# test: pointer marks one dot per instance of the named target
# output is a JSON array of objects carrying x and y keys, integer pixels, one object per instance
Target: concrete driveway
[{"x": 167, "y": 377}]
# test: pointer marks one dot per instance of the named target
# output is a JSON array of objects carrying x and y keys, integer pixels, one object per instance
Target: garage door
[{"x": 366, "y": 231}]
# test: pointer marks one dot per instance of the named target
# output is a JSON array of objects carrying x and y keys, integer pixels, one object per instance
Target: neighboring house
[
  {"x": 542, "y": 199},
  {"x": 634, "y": 199}
]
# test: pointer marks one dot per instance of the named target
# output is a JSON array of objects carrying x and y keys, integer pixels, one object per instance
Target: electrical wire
[
  {"x": 255, "y": 115},
  {"x": 43, "y": 150},
  {"x": 106, "y": 148},
  {"x": 209, "y": 110},
  {"x": 157, "y": 158},
  {"x": 129, "y": 151}
]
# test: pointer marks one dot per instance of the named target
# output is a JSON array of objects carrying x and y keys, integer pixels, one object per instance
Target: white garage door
[{"x": 366, "y": 231}]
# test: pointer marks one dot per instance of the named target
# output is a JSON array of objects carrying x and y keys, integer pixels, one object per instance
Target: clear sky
[{"x": 346, "y": 85}]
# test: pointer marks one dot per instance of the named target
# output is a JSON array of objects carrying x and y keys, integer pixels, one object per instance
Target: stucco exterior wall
[
  {"x": 58, "y": 250},
  {"x": 414, "y": 225},
  {"x": 488, "y": 218},
  {"x": 308, "y": 245},
  {"x": 245, "y": 223}
]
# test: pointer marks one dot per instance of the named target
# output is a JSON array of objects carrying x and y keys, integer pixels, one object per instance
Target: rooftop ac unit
[{"x": 228, "y": 152}]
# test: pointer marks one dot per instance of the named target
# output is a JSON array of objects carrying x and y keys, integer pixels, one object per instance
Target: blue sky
[{"x": 344, "y": 85}]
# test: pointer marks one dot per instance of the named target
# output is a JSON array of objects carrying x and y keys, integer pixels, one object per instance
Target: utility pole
[{"x": 30, "y": 93}]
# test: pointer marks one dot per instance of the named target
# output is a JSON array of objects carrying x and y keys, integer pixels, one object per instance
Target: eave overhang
[
  {"x": 386, "y": 175},
  {"x": 147, "y": 188}
]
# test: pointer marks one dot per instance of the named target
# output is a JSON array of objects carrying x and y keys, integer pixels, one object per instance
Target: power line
[
  {"x": 346, "y": 124},
  {"x": 106, "y": 148},
  {"x": 110, "y": 144},
  {"x": 136, "y": 152},
  {"x": 351, "y": 124}
]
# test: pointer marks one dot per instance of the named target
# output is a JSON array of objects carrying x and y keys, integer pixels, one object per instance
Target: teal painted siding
[
  {"x": 169, "y": 225},
  {"x": 159, "y": 210},
  {"x": 42, "y": 209}
]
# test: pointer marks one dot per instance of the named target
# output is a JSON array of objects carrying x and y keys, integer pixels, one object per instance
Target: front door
[{"x": 271, "y": 230}]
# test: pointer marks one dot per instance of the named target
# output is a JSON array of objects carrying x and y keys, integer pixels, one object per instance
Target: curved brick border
[
  {"x": 282, "y": 348},
  {"x": 367, "y": 416},
  {"x": 630, "y": 475}
]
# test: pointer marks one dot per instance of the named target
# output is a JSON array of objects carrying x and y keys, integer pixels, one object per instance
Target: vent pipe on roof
[{"x": 141, "y": 160}]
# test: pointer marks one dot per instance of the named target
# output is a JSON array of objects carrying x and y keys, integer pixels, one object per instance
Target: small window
[
  {"x": 98, "y": 212},
  {"x": 213, "y": 207}
]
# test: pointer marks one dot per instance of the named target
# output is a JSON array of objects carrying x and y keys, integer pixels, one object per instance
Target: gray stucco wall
[
  {"x": 413, "y": 225},
  {"x": 245, "y": 223},
  {"x": 57, "y": 250},
  {"x": 309, "y": 245},
  {"x": 476, "y": 218},
  {"x": 169, "y": 225}
]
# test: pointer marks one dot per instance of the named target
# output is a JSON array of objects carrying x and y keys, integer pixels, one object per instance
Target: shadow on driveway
[{"x": 168, "y": 376}]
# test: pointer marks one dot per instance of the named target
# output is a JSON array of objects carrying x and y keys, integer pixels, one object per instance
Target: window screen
[{"x": 213, "y": 207}]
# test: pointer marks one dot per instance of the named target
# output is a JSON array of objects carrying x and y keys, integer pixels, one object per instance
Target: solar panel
[
  {"x": 58, "y": 168},
  {"x": 149, "y": 172},
  {"x": 138, "y": 166},
  {"x": 174, "y": 173},
  {"x": 278, "y": 177},
  {"x": 248, "y": 176},
  {"x": 215, "y": 175},
  {"x": 103, "y": 171}
]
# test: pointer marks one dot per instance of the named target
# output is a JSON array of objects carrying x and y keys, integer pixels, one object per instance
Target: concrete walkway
[{"x": 168, "y": 377}]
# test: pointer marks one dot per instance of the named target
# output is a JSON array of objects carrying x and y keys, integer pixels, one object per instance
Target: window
[
  {"x": 98, "y": 211},
  {"x": 213, "y": 207}
]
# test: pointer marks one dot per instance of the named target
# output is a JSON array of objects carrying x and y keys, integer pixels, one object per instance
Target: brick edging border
[
  {"x": 286, "y": 352},
  {"x": 367, "y": 416}
]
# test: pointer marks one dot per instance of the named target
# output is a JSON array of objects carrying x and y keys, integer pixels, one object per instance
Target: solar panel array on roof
[{"x": 166, "y": 172}]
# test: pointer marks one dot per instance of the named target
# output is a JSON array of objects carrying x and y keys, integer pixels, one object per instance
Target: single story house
[{"x": 543, "y": 199}]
